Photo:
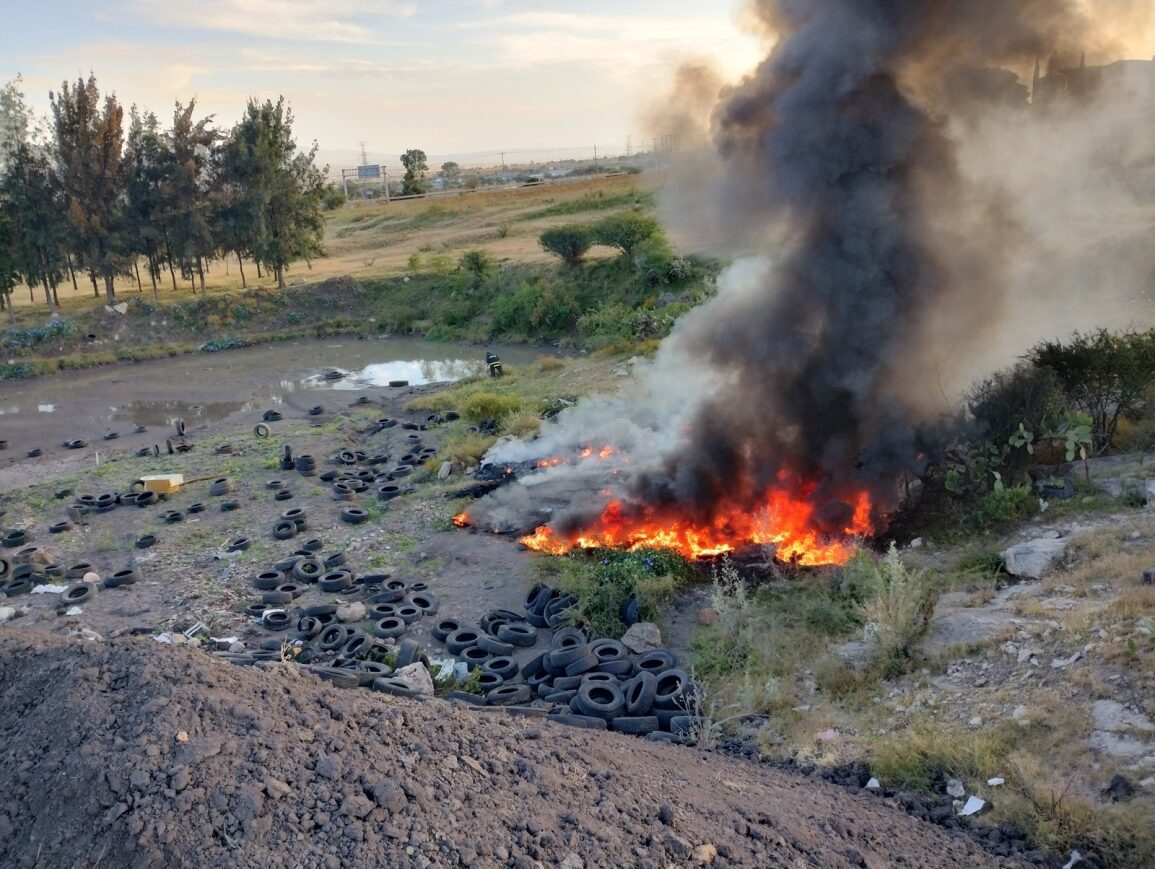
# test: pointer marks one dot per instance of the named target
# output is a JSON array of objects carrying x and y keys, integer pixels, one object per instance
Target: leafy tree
[
  {"x": 190, "y": 146},
  {"x": 89, "y": 140},
  {"x": 32, "y": 204},
  {"x": 451, "y": 173},
  {"x": 571, "y": 242},
  {"x": 14, "y": 119},
  {"x": 478, "y": 263},
  {"x": 1104, "y": 374},
  {"x": 271, "y": 192},
  {"x": 416, "y": 165},
  {"x": 625, "y": 231},
  {"x": 146, "y": 215}
]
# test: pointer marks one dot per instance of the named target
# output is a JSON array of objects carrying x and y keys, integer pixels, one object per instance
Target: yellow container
[{"x": 162, "y": 484}]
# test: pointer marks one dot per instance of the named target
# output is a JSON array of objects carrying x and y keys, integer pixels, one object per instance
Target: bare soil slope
[{"x": 132, "y": 754}]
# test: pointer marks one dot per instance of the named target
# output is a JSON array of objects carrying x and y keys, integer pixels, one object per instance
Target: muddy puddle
[{"x": 115, "y": 402}]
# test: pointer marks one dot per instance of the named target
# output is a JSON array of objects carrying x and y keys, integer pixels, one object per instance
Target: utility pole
[
  {"x": 364, "y": 156},
  {"x": 629, "y": 142},
  {"x": 502, "y": 161}
]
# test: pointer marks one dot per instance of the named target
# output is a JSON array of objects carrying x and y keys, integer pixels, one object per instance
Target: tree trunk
[
  {"x": 201, "y": 273},
  {"x": 168, "y": 256},
  {"x": 72, "y": 272},
  {"x": 241, "y": 266},
  {"x": 280, "y": 275},
  {"x": 48, "y": 297},
  {"x": 8, "y": 305},
  {"x": 55, "y": 297},
  {"x": 109, "y": 289},
  {"x": 95, "y": 286},
  {"x": 260, "y": 277},
  {"x": 136, "y": 268}
]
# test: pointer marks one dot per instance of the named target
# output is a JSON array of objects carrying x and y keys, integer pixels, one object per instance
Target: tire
[
  {"x": 639, "y": 693},
  {"x": 583, "y": 721},
  {"x": 564, "y": 638},
  {"x": 230, "y": 506},
  {"x": 390, "y": 626},
  {"x": 657, "y": 661},
  {"x": 534, "y": 667},
  {"x": 674, "y": 690},
  {"x": 392, "y": 685},
  {"x": 59, "y": 527},
  {"x": 622, "y": 669},
  {"x": 608, "y": 650},
  {"x": 359, "y": 645},
  {"x": 494, "y": 647},
  {"x": 321, "y": 609},
  {"x": 537, "y": 597},
  {"x": 409, "y": 614},
  {"x": 379, "y": 611},
  {"x": 261, "y": 430},
  {"x": 334, "y": 637},
  {"x": 460, "y": 640},
  {"x": 474, "y": 657},
  {"x": 408, "y": 652},
  {"x": 283, "y": 495},
  {"x": 509, "y": 695},
  {"x": 272, "y": 416},
  {"x": 308, "y": 627},
  {"x": 276, "y": 620},
  {"x": 426, "y": 602},
  {"x": 341, "y": 492},
  {"x": 487, "y": 681},
  {"x": 556, "y": 609},
  {"x": 296, "y": 589},
  {"x": 502, "y": 666},
  {"x": 444, "y": 628},
  {"x": 239, "y": 544},
  {"x": 581, "y": 665},
  {"x": 285, "y": 530},
  {"x": 562, "y": 658},
  {"x": 494, "y": 619},
  {"x": 277, "y": 597},
  {"x": 128, "y": 576},
  {"x": 146, "y": 542},
  {"x": 308, "y": 570},
  {"x": 599, "y": 700},
  {"x": 220, "y": 486},
  {"x": 557, "y": 698},
  {"x": 334, "y": 560},
  {"x": 77, "y": 593},
  {"x": 638, "y": 726},
  {"x": 340, "y": 678},
  {"x": 196, "y": 507},
  {"x": 335, "y": 580},
  {"x": 313, "y": 545},
  {"x": 78, "y": 570},
  {"x": 567, "y": 683},
  {"x": 518, "y": 634},
  {"x": 17, "y": 587}
]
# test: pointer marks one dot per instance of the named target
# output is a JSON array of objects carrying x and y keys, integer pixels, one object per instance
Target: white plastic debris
[
  {"x": 73, "y": 611},
  {"x": 50, "y": 589},
  {"x": 973, "y": 806},
  {"x": 228, "y": 641},
  {"x": 874, "y": 785},
  {"x": 1076, "y": 859},
  {"x": 996, "y": 781},
  {"x": 165, "y": 638},
  {"x": 447, "y": 667}
]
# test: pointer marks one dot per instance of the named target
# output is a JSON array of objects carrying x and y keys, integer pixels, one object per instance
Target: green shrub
[
  {"x": 535, "y": 310},
  {"x": 1005, "y": 506},
  {"x": 571, "y": 242},
  {"x": 625, "y": 231},
  {"x": 477, "y": 263},
  {"x": 895, "y": 609},
  {"x": 23, "y": 339},
  {"x": 225, "y": 343},
  {"x": 604, "y": 580}
]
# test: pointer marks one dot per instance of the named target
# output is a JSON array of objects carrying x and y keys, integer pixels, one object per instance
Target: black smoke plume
[{"x": 809, "y": 369}]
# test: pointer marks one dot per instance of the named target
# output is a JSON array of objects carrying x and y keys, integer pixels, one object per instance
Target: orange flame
[
  {"x": 461, "y": 520},
  {"x": 784, "y": 521}
]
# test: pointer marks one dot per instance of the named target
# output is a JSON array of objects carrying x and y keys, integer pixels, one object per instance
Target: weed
[{"x": 897, "y": 608}]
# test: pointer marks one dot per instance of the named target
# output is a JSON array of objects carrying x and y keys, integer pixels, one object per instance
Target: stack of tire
[{"x": 596, "y": 684}]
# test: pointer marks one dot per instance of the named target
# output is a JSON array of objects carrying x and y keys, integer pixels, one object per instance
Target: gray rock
[
  {"x": 1033, "y": 558},
  {"x": 6, "y": 613},
  {"x": 356, "y": 806},
  {"x": 447, "y": 470},
  {"x": 874, "y": 785},
  {"x": 351, "y": 612},
  {"x": 956, "y": 788},
  {"x": 857, "y": 653},
  {"x": 388, "y": 795},
  {"x": 1122, "y": 747},
  {"x": 416, "y": 677},
  {"x": 1114, "y": 717},
  {"x": 642, "y": 637},
  {"x": 571, "y": 861},
  {"x": 328, "y": 767},
  {"x": 1062, "y": 663}
]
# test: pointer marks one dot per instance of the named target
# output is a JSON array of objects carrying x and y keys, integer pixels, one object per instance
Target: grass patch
[
  {"x": 604, "y": 580},
  {"x": 595, "y": 201}
]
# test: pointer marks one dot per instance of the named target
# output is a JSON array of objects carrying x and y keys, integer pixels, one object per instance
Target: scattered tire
[
  {"x": 460, "y": 640},
  {"x": 313, "y": 545},
  {"x": 566, "y": 655},
  {"x": 409, "y": 613},
  {"x": 494, "y": 646},
  {"x": 408, "y": 652},
  {"x": 276, "y": 597},
  {"x": 335, "y": 580},
  {"x": 392, "y": 685},
  {"x": 599, "y": 700},
  {"x": 261, "y": 430},
  {"x": 581, "y": 665},
  {"x": 335, "y": 636},
  {"x": 15, "y": 537},
  {"x": 354, "y": 515},
  {"x": 583, "y": 721},
  {"x": 309, "y": 627},
  {"x": 657, "y": 661},
  {"x": 308, "y": 570},
  {"x": 120, "y": 578},
  {"x": 220, "y": 486},
  {"x": 337, "y": 676},
  {"x": 623, "y": 669},
  {"x": 78, "y": 593},
  {"x": 608, "y": 650},
  {"x": 197, "y": 507},
  {"x": 509, "y": 695},
  {"x": 172, "y": 516},
  {"x": 638, "y": 726},
  {"x": 502, "y": 666},
  {"x": 390, "y": 626},
  {"x": 285, "y": 530},
  {"x": 443, "y": 628},
  {"x": 239, "y": 544},
  {"x": 520, "y": 634},
  {"x": 674, "y": 690},
  {"x": 230, "y": 506},
  {"x": 59, "y": 527},
  {"x": 474, "y": 657},
  {"x": 272, "y": 416},
  {"x": 276, "y": 620}
]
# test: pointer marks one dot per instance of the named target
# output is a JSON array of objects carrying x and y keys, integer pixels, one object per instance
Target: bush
[
  {"x": 1005, "y": 506},
  {"x": 604, "y": 580},
  {"x": 218, "y": 344},
  {"x": 896, "y": 608},
  {"x": 488, "y": 405},
  {"x": 478, "y": 263},
  {"x": 535, "y": 309},
  {"x": 570, "y": 242},
  {"x": 1104, "y": 374},
  {"x": 1023, "y": 394},
  {"x": 333, "y": 199},
  {"x": 625, "y": 231}
]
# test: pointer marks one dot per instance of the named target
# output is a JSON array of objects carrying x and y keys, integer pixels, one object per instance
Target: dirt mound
[{"x": 134, "y": 754}]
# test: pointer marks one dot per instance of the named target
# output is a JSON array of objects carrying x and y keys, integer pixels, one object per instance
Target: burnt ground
[
  {"x": 281, "y": 767},
  {"x": 125, "y": 754}
]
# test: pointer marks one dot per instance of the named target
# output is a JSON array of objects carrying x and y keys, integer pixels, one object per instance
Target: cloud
[{"x": 344, "y": 21}]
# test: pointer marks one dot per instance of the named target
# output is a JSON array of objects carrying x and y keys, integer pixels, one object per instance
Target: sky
[{"x": 460, "y": 79}]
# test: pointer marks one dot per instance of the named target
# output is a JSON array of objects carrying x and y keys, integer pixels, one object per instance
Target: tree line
[{"x": 90, "y": 197}]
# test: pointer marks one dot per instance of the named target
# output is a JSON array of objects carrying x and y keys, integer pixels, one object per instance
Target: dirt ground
[
  {"x": 119, "y": 750},
  {"x": 128, "y": 754}
]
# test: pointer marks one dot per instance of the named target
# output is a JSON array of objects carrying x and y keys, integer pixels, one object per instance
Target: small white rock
[
  {"x": 6, "y": 613},
  {"x": 956, "y": 788},
  {"x": 73, "y": 611},
  {"x": 975, "y": 722},
  {"x": 874, "y": 785},
  {"x": 997, "y": 781}
]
